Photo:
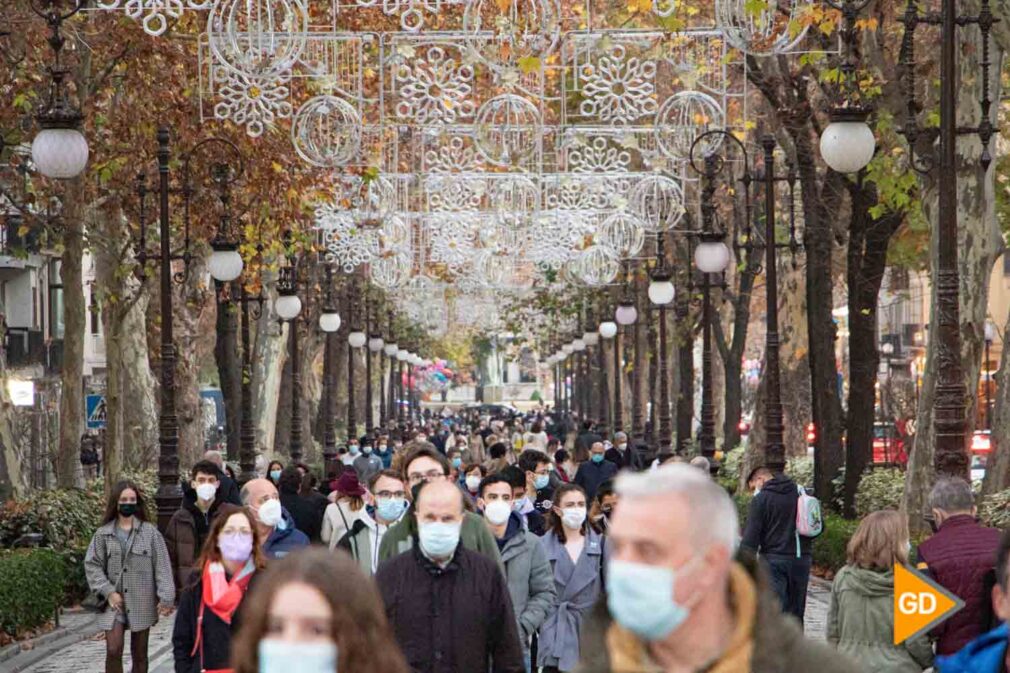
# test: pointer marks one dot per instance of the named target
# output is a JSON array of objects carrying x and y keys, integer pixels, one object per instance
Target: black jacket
[
  {"x": 451, "y": 620},
  {"x": 590, "y": 475},
  {"x": 771, "y": 521},
  {"x": 228, "y": 490},
  {"x": 216, "y": 634},
  {"x": 307, "y": 513}
]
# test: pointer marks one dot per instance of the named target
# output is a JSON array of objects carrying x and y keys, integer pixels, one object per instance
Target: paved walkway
[{"x": 89, "y": 654}]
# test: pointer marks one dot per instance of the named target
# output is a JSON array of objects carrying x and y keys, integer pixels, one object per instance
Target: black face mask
[{"x": 127, "y": 509}]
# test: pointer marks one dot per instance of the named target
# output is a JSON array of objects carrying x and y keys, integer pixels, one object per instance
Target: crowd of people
[{"x": 511, "y": 545}]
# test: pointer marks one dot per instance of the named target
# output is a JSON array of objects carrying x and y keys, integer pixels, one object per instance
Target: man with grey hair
[
  {"x": 959, "y": 556},
  {"x": 702, "y": 463},
  {"x": 227, "y": 490},
  {"x": 678, "y": 600}
]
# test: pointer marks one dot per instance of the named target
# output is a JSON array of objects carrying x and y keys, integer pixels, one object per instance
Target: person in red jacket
[{"x": 959, "y": 556}]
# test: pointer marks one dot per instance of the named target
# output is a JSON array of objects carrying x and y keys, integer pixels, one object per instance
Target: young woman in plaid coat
[{"x": 127, "y": 564}]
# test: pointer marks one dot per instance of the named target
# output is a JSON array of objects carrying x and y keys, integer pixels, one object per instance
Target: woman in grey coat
[
  {"x": 576, "y": 554},
  {"x": 127, "y": 564}
]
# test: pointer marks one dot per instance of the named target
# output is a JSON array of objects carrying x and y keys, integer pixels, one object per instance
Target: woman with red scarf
[{"x": 207, "y": 617}]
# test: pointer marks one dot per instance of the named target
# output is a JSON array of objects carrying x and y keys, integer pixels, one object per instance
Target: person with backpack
[{"x": 772, "y": 532}]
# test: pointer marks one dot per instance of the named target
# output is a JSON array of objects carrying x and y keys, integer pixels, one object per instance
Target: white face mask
[
  {"x": 206, "y": 492},
  {"x": 473, "y": 483},
  {"x": 497, "y": 512},
  {"x": 573, "y": 517},
  {"x": 270, "y": 513}
]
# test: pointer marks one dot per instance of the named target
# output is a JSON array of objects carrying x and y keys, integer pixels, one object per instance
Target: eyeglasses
[
  {"x": 391, "y": 494},
  {"x": 430, "y": 475}
]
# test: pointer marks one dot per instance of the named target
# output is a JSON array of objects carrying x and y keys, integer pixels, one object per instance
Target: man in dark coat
[
  {"x": 227, "y": 490},
  {"x": 306, "y": 514},
  {"x": 594, "y": 471},
  {"x": 959, "y": 556},
  {"x": 189, "y": 525},
  {"x": 449, "y": 607},
  {"x": 771, "y": 531},
  {"x": 678, "y": 599},
  {"x": 584, "y": 441}
]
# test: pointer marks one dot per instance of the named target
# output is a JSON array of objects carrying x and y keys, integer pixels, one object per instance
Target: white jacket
[{"x": 337, "y": 520}]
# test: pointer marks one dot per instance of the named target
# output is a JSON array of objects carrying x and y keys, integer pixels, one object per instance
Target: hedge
[{"x": 31, "y": 588}]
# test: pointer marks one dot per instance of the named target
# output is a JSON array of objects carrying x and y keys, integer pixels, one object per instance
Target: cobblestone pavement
[{"x": 89, "y": 655}]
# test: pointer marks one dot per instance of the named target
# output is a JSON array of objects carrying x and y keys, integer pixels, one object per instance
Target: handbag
[{"x": 94, "y": 602}]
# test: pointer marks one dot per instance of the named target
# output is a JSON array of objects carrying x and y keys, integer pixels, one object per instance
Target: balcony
[{"x": 26, "y": 348}]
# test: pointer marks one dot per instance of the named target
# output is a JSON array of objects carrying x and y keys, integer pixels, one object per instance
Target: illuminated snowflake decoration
[
  {"x": 346, "y": 244},
  {"x": 255, "y": 104},
  {"x": 453, "y": 193},
  {"x": 618, "y": 89},
  {"x": 154, "y": 14},
  {"x": 598, "y": 157},
  {"x": 434, "y": 89},
  {"x": 453, "y": 157},
  {"x": 452, "y": 240}
]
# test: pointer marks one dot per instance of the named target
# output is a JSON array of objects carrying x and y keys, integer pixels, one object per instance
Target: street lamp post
[
  {"x": 775, "y": 452},
  {"x": 990, "y": 336},
  {"x": 951, "y": 456},
  {"x": 329, "y": 323},
  {"x": 288, "y": 307},
  {"x": 661, "y": 293},
  {"x": 355, "y": 340}
]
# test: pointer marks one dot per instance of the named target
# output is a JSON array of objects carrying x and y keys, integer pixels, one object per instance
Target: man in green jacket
[{"x": 423, "y": 464}]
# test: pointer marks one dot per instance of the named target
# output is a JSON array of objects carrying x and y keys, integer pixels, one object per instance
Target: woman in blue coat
[{"x": 576, "y": 553}]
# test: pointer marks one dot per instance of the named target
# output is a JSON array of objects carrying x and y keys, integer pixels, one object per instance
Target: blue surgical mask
[
  {"x": 457, "y": 462},
  {"x": 275, "y": 475},
  {"x": 641, "y": 598},
  {"x": 280, "y": 656},
  {"x": 597, "y": 458},
  {"x": 438, "y": 539},
  {"x": 541, "y": 480},
  {"x": 390, "y": 509}
]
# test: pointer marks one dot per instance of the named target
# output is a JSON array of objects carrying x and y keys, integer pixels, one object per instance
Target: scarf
[
  {"x": 629, "y": 654},
  {"x": 220, "y": 595}
]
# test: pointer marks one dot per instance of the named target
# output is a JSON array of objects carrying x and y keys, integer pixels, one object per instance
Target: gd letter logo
[{"x": 919, "y": 604}]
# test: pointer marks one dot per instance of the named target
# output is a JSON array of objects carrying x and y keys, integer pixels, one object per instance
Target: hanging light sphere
[
  {"x": 711, "y": 255},
  {"x": 847, "y": 144},
  {"x": 356, "y": 339},
  {"x": 225, "y": 263},
  {"x": 329, "y": 321},
  {"x": 288, "y": 306},
  {"x": 578, "y": 345},
  {"x": 661, "y": 291},
  {"x": 591, "y": 338},
  {"x": 608, "y": 329},
  {"x": 626, "y": 314},
  {"x": 60, "y": 153},
  {"x": 375, "y": 343},
  {"x": 391, "y": 349}
]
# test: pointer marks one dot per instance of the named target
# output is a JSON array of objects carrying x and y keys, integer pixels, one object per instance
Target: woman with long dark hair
[
  {"x": 127, "y": 564},
  {"x": 576, "y": 553},
  {"x": 201, "y": 640},
  {"x": 315, "y": 612}
]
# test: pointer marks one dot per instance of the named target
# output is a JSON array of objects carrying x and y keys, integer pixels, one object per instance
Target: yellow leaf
[
  {"x": 529, "y": 64},
  {"x": 277, "y": 167}
]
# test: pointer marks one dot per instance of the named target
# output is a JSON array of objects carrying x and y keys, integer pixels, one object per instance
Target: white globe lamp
[
  {"x": 626, "y": 314},
  {"x": 579, "y": 345},
  {"x": 608, "y": 329},
  {"x": 329, "y": 321},
  {"x": 712, "y": 254},
  {"x": 287, "y": 306},
  {"x": 356, "y": 339},
  {"x": 591, "y": 338},
  {"x": 390, "y": 349},
  {"x": 661, "y": 290},
  {"x": 375, "y": 343},
  {"x": 59, "y": 152},
  {"x": 225, "y": 263},
  {"x": 847, "y": 144}
]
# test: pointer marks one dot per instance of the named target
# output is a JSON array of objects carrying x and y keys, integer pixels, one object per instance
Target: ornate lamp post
[
  {"x": 355, "y": 339},
  {"x": 329, "y": 323},
  {"x": 608, "y": 331},
  {"x": 288, "y": 306},
  {"x": 661, "y": 294},
  {"x": 375, "y": 346},
  {"x": 951, "y": 457}
]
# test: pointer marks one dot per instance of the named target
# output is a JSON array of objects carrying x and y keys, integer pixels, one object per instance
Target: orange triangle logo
[{"x": 919, "y": 603}]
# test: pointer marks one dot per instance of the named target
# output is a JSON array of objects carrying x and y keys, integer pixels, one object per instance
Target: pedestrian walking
[
  {"x": 425, "y": 464},
  {"x": 603, "y": 507},
  {"x": 861, "y": 616},
  {"x": 619, "y": 454},
  {"x": 277, "y": 532},
  {"x": 364, "y": 538},
  {"x": 988, "y": 652},
  {"x": 274, "y": 470},
  {"x": 449, "y": 607},
  {"x": 576, "y": 554},
  {"x": 771, "y": 531},
  {"x": 349, "y": 506},
  {"x": 564, "y": 466},
  {"x": 227, "y": 490},
  {"x": 527, "y": 570},
  {"x": 127, "y": 564},
  {"x": 536, "y": 438},
  {"x": 473, "y": 474},
  {"x": 314, "y": 612},
  {"x": 367, "y": 464},
  {"x": 307, "y": 515},
  {"x": 959, "y": 556},
  {"x": 209, "y": 607},
  {"x": 190, "y": 524},
  {"x": 595, "y": 471},
  {"x": 676, "y": 598}
]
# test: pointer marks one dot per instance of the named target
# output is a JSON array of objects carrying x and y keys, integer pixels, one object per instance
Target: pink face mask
[{"x": 235, "y": 547}]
